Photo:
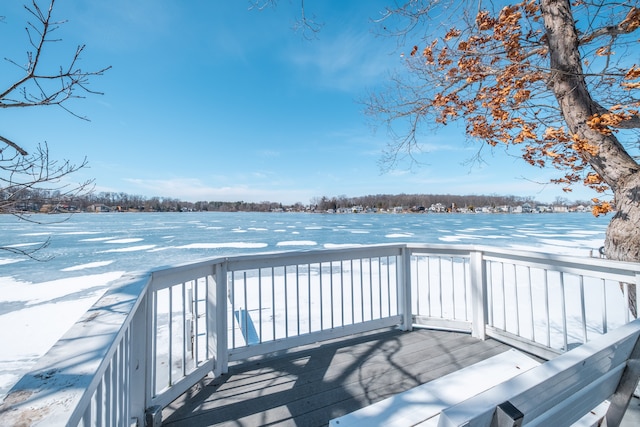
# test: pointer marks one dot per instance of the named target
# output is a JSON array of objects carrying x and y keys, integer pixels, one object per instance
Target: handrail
[{"x": 153, "y": 335}]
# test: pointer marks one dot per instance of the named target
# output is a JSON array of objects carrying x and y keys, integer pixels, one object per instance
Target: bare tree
[
  {"x": 23, "y": 174},
  {"x": 307, "y": 25}
]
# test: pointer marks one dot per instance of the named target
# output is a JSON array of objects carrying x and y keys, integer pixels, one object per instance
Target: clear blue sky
[{"x": 208, "y": 100}]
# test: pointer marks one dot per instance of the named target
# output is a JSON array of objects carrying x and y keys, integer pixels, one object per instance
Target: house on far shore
[
  {"x": 437, "y": 208},
  {"x": 98, "y": 208},
  {"x": 526, "y": 208}
]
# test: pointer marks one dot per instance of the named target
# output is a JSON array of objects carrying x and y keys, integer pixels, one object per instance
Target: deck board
[{"x": 312, "y": 386}]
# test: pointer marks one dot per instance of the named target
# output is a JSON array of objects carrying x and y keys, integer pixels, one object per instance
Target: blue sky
[{"x": 211, "y": 101}]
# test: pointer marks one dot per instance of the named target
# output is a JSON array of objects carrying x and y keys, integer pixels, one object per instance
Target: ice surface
[{"x": 297, "y": 243}]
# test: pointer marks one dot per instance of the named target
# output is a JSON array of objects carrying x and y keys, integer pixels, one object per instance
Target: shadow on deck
[{"x": 310, "y": 386}]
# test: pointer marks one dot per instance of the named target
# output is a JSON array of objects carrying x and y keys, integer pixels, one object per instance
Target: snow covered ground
[{"x": 40, "y": 313}]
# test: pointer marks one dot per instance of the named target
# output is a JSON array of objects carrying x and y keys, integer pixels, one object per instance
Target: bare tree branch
[
  {"x": 629, "y": 24},
  {"x": 308, "y": 26},
  {"x": 30, "y": 179},
  {"x": 13, "y": 145},
  {"x": 39, "y": 87}
]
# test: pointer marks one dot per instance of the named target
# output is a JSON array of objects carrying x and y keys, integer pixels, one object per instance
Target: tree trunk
[
  {"x": 612, "y": 162},
  {"x": 623, "y": 234}
]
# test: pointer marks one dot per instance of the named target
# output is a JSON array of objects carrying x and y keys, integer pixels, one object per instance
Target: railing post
[
  {"x": 404, "y": 290},
  {"x": 636, "y": 288},
  {"x": 140, "y": 357},
  {"x": 217, "y": 319},
  {"x": 479, "y": 303}
]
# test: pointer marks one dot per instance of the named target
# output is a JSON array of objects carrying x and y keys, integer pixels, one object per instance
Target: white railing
[
  {"x": 542, "y": 303},
  {"x": 154, "y": 335}
]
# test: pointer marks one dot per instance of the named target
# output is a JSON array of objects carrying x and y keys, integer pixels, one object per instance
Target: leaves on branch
[
  {"x": 600, "y": 207},
  {"x": 493, "y": 74}
]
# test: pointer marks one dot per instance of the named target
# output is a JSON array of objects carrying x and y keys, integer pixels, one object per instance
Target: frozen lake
[{"x": 101, "y": 243}]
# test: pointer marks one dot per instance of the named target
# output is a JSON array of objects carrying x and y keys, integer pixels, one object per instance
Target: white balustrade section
[{"x": 153, "y": 336}]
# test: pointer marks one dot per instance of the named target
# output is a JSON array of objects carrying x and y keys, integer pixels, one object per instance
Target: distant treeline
[
  {"x": 407, "y": 201},
  {"x": 42, "y": 201}
]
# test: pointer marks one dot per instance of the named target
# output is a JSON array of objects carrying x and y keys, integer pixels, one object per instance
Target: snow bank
[{"x": 33, "y": 316}]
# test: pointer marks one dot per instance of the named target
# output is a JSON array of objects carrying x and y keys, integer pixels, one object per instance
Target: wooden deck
[{"x": 313, "y": 385}]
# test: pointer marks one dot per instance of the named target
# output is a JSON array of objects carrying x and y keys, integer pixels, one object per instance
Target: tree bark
[{"x": 623, "y": 232}]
